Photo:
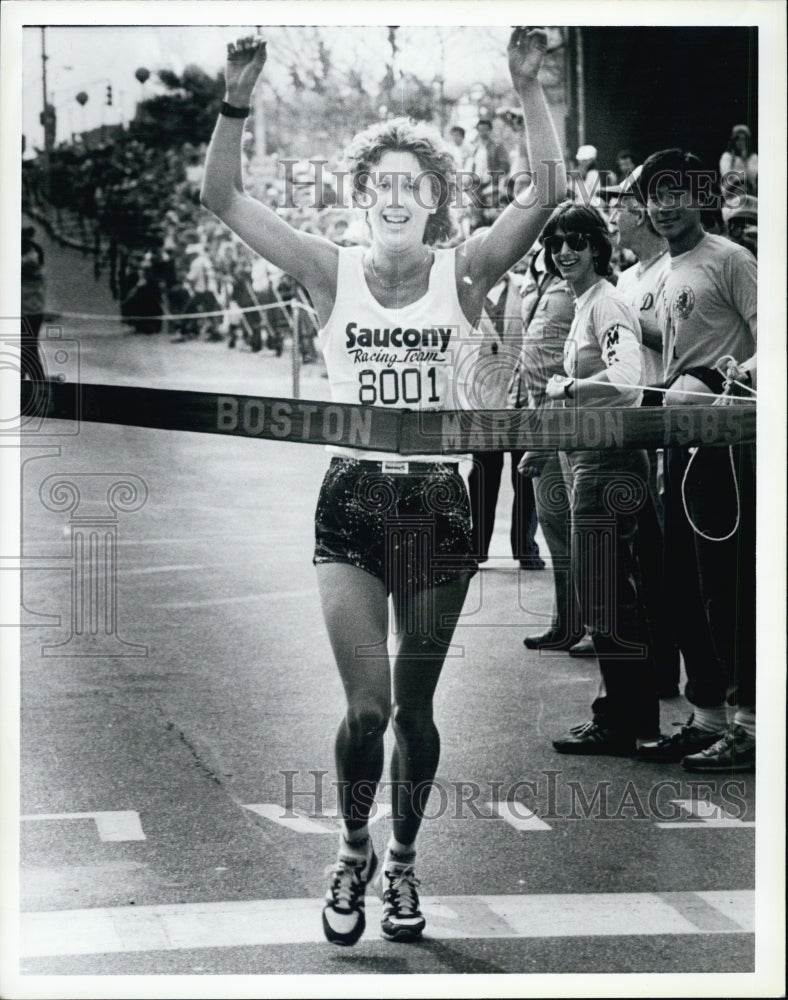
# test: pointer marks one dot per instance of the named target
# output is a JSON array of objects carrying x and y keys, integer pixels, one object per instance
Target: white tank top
[{"x": 418, "y": 357}]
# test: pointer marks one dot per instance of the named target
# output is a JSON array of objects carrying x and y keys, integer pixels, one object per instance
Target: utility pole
[
  {"x": 581, "y": 87},
  {"x": 45, "y": 114}
]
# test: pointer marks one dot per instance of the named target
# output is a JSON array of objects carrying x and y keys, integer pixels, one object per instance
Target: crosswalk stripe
[
  {"x": 234, "y": 924},
  {"x": 296, "y": 821},
  {"x": 114, "y": 825},
  {"x": 212, "y": 602},
  {"x": 517, "y": 816}
]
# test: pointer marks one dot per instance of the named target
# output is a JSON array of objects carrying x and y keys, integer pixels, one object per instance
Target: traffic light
[{"x": 109, "y": 94}]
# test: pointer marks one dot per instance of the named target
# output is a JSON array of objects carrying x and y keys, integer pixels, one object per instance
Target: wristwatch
[{"x": 567, "y": 386}]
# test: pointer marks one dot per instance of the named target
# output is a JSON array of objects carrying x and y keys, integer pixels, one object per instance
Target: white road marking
[
  {"x": 297, "y": 921},
  {"x": 299, "y": 822},
  {"x": 517, "y": 816},
  {"x": 237, "y": 599},
  {"x": 702, "y": 816},
  {"x": 119, "y": 825},
  {"x": 147, "y": 570}
]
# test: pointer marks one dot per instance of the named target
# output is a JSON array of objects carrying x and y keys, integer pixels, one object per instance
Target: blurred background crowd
[{"x": 128, "y": 194}]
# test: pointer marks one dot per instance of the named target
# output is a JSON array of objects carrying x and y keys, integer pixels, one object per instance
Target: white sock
[
  {"x": 713, "y": 720},
  {"x": 355, "y": 843},
  {"x": 745, "y": 717},
  {"x": 398, "y": 854}
]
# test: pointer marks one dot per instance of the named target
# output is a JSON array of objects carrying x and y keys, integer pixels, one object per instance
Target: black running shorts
[{"x": 410, "y": 529}]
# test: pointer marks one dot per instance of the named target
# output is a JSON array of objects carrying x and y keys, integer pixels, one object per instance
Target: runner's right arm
[{"x": 310, "y": 259}]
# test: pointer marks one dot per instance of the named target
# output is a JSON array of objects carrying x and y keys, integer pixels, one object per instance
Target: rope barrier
[
  {"x": 685, "y": 392},
  {"x": 379, "y": 428},
  {"x": 695, "y": 528},
  {"x": 285, "y": 303}
]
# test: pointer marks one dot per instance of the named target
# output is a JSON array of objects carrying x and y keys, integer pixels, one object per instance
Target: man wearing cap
[{"x": 641, "y": 285}]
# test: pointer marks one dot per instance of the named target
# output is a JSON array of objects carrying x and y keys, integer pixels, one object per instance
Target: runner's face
[
  {"x": 672, "y": 212},
  {"x": 402, "y": 199}
]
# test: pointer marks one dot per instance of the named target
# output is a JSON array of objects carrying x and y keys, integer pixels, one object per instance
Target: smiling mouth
[
  {"x": 568, "y": 263},
  {"x": 394, "y": 220}
]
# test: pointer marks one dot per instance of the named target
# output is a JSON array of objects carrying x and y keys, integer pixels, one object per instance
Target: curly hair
[
  {"x": 403, "y": 135},
  {"x": 571, "y": 217}
]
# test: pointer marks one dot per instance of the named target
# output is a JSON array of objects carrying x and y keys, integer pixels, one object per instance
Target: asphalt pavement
[{"x": 178, "y": 714}]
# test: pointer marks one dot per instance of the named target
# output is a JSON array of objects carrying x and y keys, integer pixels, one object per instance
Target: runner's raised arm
[
  {"x": 487, "y": 257},
  {"x": 310, "y": 259}
]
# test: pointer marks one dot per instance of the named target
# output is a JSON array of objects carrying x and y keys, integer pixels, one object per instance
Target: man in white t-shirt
[
  {"x": 641, "y": 285},
  {"x": 707, "y": 309}
]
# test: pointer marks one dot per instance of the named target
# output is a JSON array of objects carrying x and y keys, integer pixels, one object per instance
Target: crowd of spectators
[{"x": 138, "y": 209}]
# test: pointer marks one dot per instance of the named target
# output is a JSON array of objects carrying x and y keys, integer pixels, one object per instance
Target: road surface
[{"x": 176, "y": 770}]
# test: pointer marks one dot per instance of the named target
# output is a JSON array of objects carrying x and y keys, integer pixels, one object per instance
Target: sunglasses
[{"x": 575, "y": 241}]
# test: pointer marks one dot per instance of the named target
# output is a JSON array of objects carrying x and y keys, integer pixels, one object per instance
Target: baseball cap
[
  {"x": 630, "y": 185},
  {"x": 745, "y": 207}
]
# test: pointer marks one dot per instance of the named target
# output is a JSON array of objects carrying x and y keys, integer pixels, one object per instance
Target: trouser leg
[
  {"x": 484, "y": 483},
  {"x": 608, "y": 489}
]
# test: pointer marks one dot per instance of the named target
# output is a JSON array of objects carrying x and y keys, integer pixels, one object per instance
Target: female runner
[
  {"x": 603, "y": 362},
  {"x": 397, "y": 329}
]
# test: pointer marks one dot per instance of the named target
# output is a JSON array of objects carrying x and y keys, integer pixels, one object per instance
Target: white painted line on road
[
  {"x": 297, "y": 921},
  {"x": 237, "y": 599},
  {"x": 517, "y": 816},
  {"x": 299, "y": 822},
  {"x": 119, "y": 825},
  {"x": 703, "y": 816},
  {"x": 148, "y": 570},
  {"x": 296, "y": 822},
  {"x": 707, "y": 824}
]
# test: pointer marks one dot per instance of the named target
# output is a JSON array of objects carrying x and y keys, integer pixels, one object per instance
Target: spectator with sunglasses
[{"x": 602, "y": 361}]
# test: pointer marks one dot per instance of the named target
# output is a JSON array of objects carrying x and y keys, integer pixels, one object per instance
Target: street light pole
[{"x": 45, "y": 116}]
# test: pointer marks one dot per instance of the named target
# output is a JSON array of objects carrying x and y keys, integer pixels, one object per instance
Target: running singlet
[{"x": 420, "y": 356}]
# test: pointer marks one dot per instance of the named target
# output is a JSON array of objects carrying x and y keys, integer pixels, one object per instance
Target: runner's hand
[
  {"x": 245, "y": 61},
  {"x": 527, "y": 47}
]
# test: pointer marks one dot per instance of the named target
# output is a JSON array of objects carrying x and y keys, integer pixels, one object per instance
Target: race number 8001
[{"x": 391, "y": 386}]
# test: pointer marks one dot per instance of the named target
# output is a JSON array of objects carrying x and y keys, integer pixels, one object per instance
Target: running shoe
[
  {"x": 671, "y": 749},
  {"x": 592, "y": 738},
  {"x": 733, "y": 753},
  {"x": 402, "y": 919},
  {"x": 343, "y": 914}
]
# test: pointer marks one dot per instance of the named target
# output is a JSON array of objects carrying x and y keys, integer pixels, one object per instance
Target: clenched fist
[{"x": 245, "y": 61}]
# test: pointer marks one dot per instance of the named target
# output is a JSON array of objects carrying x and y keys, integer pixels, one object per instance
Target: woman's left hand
[
  {"x": 555, "y": 387},
  {"x": 527, "y": 47}
]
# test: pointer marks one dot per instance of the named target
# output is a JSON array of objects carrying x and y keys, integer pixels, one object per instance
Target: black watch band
[
  {"x": 567, "y": 386},
  {"x": 229, "y": 111}
]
